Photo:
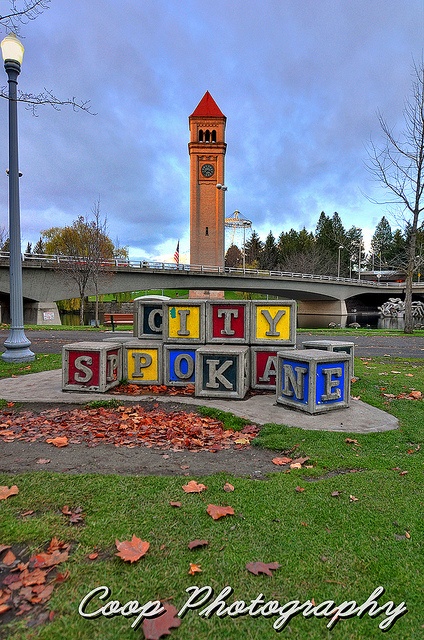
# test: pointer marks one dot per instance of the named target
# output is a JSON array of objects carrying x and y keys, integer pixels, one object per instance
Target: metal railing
[{"x": 121, "y": 263}]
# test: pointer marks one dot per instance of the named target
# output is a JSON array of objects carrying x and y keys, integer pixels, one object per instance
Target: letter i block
[
  {"x": 148, "y": 319},
  {"x": 222, "y": 371},
  {"x": 312, "y": 380},
  {"x": 273, "y": 322},
  {"x": 228, "y": 322},
  {"x": 184, "y": 321},
  {"x": 179, "y": 365},
  {"x": 91, "y": 366},
  {"x": 263, "y": 367},
  {"x": 142, "y": 362}
]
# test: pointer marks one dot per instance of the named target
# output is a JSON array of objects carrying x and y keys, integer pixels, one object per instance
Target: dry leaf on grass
[
  {"x": 155, "y": 628},
  {"x": 194, "y": 487},
  {"x": 194, "y": 544},
  {"x": 5, "y": 492},
  {"x": 281, "y": 461},
  {"x": 132, "y": 550},
  {"x": 262, "y": 567},
  {"x": 228, "y": 487},
  {"x": 217, "y": 512}
]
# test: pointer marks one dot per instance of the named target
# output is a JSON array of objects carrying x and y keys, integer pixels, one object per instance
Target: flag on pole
[{"x": 177, "y": 253}]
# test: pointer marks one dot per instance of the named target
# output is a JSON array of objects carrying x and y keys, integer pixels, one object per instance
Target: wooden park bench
[{"x": 116, "y": 319}]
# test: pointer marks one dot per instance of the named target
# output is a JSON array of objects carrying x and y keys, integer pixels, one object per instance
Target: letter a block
[
  {"x": 227, "y": 322},
  {"x": 142, "y": 362},
  {"x": 184, "y": 321},
  {"x": 148, "y": 319},
  {"x": 179, "y": 365},
  {"x": 222, "y": 371},
  {"x": 273, "y": 322},
  {"x": 263, "y": 366},
  {"x": 91, "y": 366},
  {"x": 312, "y": 380}
]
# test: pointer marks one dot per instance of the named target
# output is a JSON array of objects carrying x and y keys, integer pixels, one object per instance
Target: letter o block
[
  {"x": 312, "y": 380},
  {"x": 179, "y": 365},
  {"x": 273, "y": 322},
  {"x": 142, "y": 362},
  {"x": 222, "y": 371},
  {"x": 91, "y": 366}
]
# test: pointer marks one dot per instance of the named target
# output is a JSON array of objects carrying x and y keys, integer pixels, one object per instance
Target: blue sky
[{"x": 300, "y": 83}]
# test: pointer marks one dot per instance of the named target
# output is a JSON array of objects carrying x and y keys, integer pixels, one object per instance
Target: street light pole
[
  {"x": 17, "y": 344},
  {"x": 338, "y": 261}
]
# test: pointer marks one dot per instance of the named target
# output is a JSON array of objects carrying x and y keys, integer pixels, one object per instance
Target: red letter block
[{"x": 91, "y": 366}]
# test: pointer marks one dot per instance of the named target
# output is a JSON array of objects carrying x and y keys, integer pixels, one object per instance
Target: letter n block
[
  {"x": 222, "y": 371},
  {"x": 312, "y": 380},
  {"x": 142, "y": 362},
  {"x": 91, "y": 366},
  {"x": 148, "y": 319},
  {"x": 184, "y": 321},
  {"x": 179, "y": 365},
  {"x": 263, "y": 367},
  {"x": 228, "y": 322},
  {"x": 273, "y": 322}
]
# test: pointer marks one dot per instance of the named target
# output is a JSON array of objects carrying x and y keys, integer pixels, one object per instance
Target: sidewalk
[{"x": 46, "y": 387}]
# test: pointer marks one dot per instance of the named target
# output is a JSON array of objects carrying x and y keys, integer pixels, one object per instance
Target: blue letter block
[
  {"x": 312, "y": 380},
  {"x": 179, "y": 365}
]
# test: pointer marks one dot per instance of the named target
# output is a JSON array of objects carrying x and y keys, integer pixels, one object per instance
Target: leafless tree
[
  {"x": 399, "y": 166},
  {"x": 21, "y": 12}
]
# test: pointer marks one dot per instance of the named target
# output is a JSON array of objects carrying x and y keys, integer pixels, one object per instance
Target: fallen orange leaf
[
  {"x": 194, "y": 568},
  {"x": 5, "y": 492},
  {"x": 132, "y": 550},
  {"x": 194, "y": 487},
  {"x": 281, "y": 461},
  {"x": 217, "y": 512},
  {"x": 262, "y": 567},
  {"x": 60, "y": 441}
]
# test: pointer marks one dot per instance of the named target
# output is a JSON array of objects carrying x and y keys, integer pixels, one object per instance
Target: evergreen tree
[
  {"x": 233, "y": 257},
  {"x": 39, "y": 247},
  {"x": 381, "y": 243},
  {"x": 253, "y": 249},
  {"x": 269, "y": 256}
]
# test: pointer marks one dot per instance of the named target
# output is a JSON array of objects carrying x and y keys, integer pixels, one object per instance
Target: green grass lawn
[{"x": 357, "y": 525}]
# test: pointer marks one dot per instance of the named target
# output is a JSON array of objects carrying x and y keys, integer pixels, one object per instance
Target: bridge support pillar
[
  {"x": 326, "y": 310},
  {"x": 43, "y": 313}
]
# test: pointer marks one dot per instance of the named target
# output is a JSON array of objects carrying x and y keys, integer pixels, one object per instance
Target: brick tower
[{"x": 207, "y": 203}]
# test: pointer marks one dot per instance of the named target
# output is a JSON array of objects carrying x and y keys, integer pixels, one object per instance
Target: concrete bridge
[{"x": 48, "y": 279}]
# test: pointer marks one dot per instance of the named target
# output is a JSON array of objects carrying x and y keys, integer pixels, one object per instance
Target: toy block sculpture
[
  {"x": 184, "y": 321},
  {"x": 273, "y": 322},
  {"x": 142, "y": 362},
  {"x": 91, "y": 366},
  {"x": 227, "y": 322},
  {"x": 222, "y": 371}
]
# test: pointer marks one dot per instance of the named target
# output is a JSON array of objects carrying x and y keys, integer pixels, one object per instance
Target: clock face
[{"x": 207, "y": 170}]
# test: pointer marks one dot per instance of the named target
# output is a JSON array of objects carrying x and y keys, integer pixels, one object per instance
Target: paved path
[{"x": 49, "y": 341}]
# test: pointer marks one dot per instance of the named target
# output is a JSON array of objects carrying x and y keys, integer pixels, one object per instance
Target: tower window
[
  {"x": 213, "y": 136},
  {"x": 207, "y": 135},
  {"x": 207, "y": 231},
  {"x": 200, "y": 135}
]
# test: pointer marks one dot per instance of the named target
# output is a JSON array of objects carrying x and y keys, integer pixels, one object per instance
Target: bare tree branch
[{"x": 22, "y": 12}]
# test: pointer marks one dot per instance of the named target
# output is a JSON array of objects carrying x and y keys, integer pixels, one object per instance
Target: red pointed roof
[{"x": 207, "y": 107}]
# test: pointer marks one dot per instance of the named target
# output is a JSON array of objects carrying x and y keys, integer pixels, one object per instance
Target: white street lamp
[
  {"x": 338, "y": 261},
  {"x": 17, "y": 344}
]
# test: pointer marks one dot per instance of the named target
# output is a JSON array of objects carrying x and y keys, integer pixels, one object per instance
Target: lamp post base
[{"x": 17, "y": 347}]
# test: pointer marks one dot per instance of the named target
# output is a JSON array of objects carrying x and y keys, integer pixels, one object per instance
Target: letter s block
[
  {"x": 91, "y": 366},
  {"x": 273, "y": 322},
  {"x": 313, "y": 380}
]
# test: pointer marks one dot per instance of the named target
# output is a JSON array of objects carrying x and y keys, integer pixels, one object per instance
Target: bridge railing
[{"x": 120, "y": 263}]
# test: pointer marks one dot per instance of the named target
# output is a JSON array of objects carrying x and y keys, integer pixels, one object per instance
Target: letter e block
[
  {"x": 91, "y": 366},
  {"x": 222, "y": 371},
  {"x": 227, "y": 322},
  {"x": 273, "y": 322},
  {"x": 142, "y": 362},
  {"x": 312, "y": 380},
  {"x": 184, "y": 321},
  {"x": 179, "y": 365}
]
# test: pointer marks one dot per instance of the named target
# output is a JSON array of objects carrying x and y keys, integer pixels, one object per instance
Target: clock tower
[{"x": 207, "y": 203}]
